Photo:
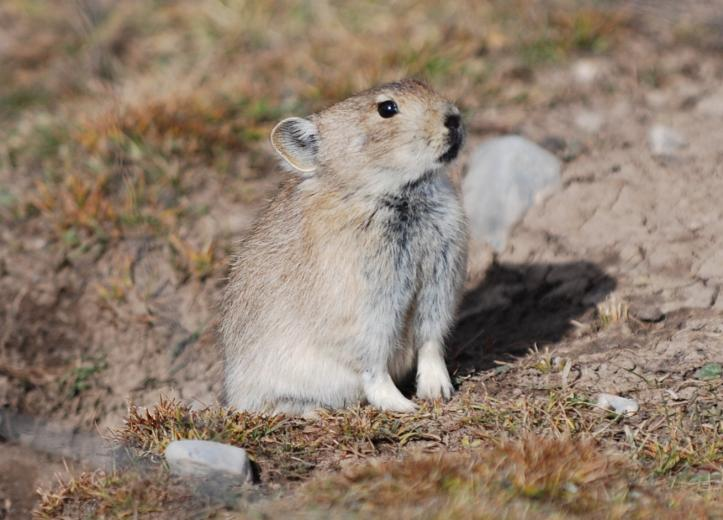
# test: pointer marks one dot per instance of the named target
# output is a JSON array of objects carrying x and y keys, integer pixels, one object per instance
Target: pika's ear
[{"x": 297, "y": 140}]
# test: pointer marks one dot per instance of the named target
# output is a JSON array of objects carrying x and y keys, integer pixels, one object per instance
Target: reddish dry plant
[
  {"x": 558, "y": 469},
  {"x": 540, "y": 476},
  {"x": 191, "y": 125},
  {"x": 78, "y": 202},
  {"x": 115, "y": 495}
]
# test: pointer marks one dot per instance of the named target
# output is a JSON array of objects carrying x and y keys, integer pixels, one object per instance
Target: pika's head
[{"x": 389, "y": 135}]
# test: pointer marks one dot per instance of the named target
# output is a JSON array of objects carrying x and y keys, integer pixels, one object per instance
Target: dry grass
[
  {"x": 122, "y": 107},
  {"x": 676, "y": 442},
  {"x": 534, "y": 477},
  {"x": 538, "y": 455},
  {"x": 125, "y": 494},
  {"x": 612, "y": 311},
  {"x": 287, "y": 448},
  {"x": 539, "y": 475}
]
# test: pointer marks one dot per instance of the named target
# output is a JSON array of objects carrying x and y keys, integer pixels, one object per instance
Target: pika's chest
[
  {"x": 411, "y": 223},
  {"x": 414, "y": 229}
]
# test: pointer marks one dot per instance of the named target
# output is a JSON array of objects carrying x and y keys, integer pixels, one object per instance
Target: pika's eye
[{"x": 387, "y": 109}]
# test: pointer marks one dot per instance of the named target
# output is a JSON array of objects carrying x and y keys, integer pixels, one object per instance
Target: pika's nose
[{"x": 452, "y": 121}]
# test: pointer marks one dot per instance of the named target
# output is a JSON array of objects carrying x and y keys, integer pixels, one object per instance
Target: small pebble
[
  {"x": 648, "y": 313},
  {"x": 665, "y": 141},
  {"x": 619, "y": 404},
  {"x": 586, "y": 72}
]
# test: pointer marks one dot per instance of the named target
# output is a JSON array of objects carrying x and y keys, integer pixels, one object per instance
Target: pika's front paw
[
  {"x": 433, "y": 383},
  {"x": 432, "y": 376}
]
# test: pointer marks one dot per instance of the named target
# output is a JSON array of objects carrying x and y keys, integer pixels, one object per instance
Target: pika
[{"x": 349, "y": 279}]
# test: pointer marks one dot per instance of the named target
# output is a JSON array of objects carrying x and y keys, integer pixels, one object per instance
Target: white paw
[
  {"x": 383, "y": 394},
  {"x": 433, "y": 381},
  {"x": 394, "y": 404}
]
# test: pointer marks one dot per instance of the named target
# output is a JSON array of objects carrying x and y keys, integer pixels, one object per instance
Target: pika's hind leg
[
  {"x": 297, "y": 407},
  {"x": 377, "y": 383},
  {"x": 382, "y": 393}
]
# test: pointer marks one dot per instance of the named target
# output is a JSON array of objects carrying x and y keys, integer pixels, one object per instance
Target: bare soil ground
[{"x": 132, "y": 158}]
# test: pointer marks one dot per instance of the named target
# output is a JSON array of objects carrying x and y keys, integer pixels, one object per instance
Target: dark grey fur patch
[{"x": 303, "y": 139}]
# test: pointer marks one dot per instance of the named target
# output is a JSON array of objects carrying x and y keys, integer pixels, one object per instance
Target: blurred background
[{"x": 134, "y": 153}]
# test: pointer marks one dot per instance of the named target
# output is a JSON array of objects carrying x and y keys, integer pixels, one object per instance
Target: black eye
[{"x": 387, "y": 109}]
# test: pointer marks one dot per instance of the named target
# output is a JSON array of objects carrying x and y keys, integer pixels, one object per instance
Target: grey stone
[
  {"x": 665, "y": 141},
  {"x": 506, "y": 176},
  {"x": 618, "y": 404},
  {"x": 649, "y": 313},
  {"x": 195, "y": 458},
  {"x": 586, "y": 72}
]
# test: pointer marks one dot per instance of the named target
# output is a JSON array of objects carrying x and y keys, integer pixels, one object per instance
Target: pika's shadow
[{"x": 519, "y": 305}]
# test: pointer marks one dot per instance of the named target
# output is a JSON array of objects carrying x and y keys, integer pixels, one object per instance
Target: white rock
[
  {"x": 205, "y": 458},
  {"x": 585, "y": 72},
  {"x": 664, "y": 140},
  {"x": 505, "y": 177},
  {"x": 617, "y": 403}
]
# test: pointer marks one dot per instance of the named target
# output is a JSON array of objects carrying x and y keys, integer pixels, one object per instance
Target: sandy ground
[{"x": 23, "y": 471}]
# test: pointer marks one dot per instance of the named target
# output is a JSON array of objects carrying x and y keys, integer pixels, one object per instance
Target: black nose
[{"x": 452, "y": 121}]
